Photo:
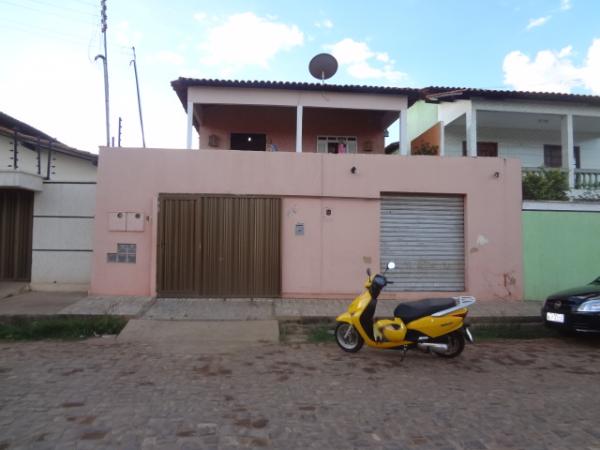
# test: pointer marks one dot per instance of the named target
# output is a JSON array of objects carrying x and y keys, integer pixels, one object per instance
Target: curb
[
  {"x": 492, "y": 320},
  {"x": 12, "y": 318}
]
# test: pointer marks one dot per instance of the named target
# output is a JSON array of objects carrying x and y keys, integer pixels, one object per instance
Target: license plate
[{"x": 554, "y": 317}]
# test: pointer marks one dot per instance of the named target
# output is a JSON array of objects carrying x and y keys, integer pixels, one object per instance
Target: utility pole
[
  {"x": 105, "y": 62},
  {"x": 119, "y": 135},
  {"x": 137, "y": 86}
]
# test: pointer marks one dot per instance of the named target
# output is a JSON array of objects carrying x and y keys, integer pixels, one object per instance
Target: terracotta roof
[
  {"x": 27, "y": 131},
  {"x": 181, "y": 84},
  {"x": 443, "y": 93},
  {"x": 431, "y": 93}
]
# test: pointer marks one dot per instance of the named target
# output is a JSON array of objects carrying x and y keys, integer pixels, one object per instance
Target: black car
[{"x": 576, "y": 309}]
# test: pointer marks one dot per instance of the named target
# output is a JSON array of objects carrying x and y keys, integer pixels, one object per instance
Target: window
[
  {"x": 336, "y": 144},
  {"x": 126, "y": 253},
  {"x": 483, "y": 149},
  {"x": 553, "y": 156}
]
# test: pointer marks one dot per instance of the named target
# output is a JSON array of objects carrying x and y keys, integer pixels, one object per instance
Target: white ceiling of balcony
[{"x": 530, "y": 121}]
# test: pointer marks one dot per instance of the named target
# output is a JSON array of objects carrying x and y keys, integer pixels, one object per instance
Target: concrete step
[{"x": 200, "y": 336}]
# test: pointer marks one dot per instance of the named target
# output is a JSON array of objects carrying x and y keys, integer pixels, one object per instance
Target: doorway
[
  {"x": 249, "y": 141},
  {"x": 16, "y": 227}
]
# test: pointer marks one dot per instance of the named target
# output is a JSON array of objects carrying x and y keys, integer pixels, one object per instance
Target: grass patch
[
  {"x": 320, "y": 333},
  {"x": 65, "y": 328},
  {"x": 486, "y": 332}
]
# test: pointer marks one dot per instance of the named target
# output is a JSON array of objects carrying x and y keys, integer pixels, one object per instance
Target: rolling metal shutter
[{"x": 424, "y": 236}]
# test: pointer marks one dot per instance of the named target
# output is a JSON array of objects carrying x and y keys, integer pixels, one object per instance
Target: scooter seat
[{"x": 410, "y": 311}]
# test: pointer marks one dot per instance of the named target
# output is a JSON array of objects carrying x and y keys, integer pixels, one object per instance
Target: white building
[
  {"x": 543, "y": 130},
  {"x": 47, "y": 201}
]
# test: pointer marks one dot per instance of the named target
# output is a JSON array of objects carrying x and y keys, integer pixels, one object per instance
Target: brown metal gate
[
  {"x": 219, "y": 246},
  {"x": 16, "y": 225}
]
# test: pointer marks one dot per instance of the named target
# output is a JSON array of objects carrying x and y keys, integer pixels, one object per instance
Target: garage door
[
  {"x": 212, "y": 246},
  {"x": 16, "y": 224},
  {"x": 424, "y": 236}
]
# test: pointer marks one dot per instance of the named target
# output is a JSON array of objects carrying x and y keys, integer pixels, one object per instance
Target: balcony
[{"x": 585, "y": 180}]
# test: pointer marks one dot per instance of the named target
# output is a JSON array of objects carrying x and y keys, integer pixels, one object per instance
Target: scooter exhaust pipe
[{"x": 436, "y": 347}]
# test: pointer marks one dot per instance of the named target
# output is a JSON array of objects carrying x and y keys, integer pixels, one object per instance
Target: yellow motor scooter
[{"x": 431, "y": 324}]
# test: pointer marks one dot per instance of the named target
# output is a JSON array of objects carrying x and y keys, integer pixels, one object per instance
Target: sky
[{"x": 49, "y": 77}]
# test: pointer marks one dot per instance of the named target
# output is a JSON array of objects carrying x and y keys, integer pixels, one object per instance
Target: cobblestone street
[{"x": 539, "y": 394}]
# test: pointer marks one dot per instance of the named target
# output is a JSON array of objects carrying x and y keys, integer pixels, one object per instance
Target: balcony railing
[
  {"x": 587, "y": 179},
  {"x": 540, "y": 170}
]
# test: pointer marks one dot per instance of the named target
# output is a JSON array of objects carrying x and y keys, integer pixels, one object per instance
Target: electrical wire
[
  {"x": 65, "y": 8},
  {"x": 45, "y": 12},
  {"x": 83, "y": 2},
  {"x": 40, "y": 31}
]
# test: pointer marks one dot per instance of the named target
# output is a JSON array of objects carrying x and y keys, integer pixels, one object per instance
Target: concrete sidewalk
[
  {"x": 33, "y": 303},
  {"x": 207, "y": 309},
  {"x": 217, "y": 324}
]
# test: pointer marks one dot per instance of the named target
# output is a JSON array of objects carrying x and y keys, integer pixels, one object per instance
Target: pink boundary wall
[{"x": 331, "y": 258}]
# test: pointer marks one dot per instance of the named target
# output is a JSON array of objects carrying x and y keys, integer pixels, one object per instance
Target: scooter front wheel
[{"x": 347, "y": 337}]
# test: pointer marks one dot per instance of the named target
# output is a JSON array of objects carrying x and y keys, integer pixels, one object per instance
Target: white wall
[
  {"x": 526, "y": 145},
  {"x": 590, "y": 150},
  {"x": 63, "y": 219},
  {"x": 66, "y": 167}
]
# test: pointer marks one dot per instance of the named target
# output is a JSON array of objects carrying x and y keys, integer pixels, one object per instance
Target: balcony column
[
  {"x": 471, "y": 121},
  {"x": 190, "y": 123},
  {"x": 299, "y": 112},
  {"x": 568, "y": 144},
  {"x": 403, "y": 143}
]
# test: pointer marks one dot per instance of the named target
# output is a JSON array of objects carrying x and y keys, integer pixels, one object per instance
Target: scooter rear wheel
[
  {"x": 456, "y": 344},
  {"x": 347, "y": 338}
]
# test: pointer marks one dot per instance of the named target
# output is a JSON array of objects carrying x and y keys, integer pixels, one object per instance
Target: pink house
[{"x": 302, "y": 201}]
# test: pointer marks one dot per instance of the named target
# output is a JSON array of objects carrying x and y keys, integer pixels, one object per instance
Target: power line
[
  {"x": 83, "y": 2},
  {"x": 64, "y": 8},
  {"x": 60, "y": 15},
  {"x": 39, "y": 31}
]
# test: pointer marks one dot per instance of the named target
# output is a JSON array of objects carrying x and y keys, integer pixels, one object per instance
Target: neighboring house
[
  {"x": 289, "y": 193},
  {"x": 47, "y": 197},
  {"x": 542, "y": 130}
]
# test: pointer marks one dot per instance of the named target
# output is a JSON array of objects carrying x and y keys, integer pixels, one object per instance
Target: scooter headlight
[{"x": 591, "y": 305}]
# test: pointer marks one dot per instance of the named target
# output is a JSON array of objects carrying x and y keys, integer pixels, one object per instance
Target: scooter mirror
[
  {"x": 368, "y": 271},
  {"x": 391, "y": 265}
]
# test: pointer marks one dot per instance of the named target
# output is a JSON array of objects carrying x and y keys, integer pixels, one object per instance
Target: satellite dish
[{"x": 323, "y": 66}]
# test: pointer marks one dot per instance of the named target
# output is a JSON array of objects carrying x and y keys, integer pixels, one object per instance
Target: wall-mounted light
[
  {"x": 497, "y": 174},
  {"x": 354, "y": 170}
]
